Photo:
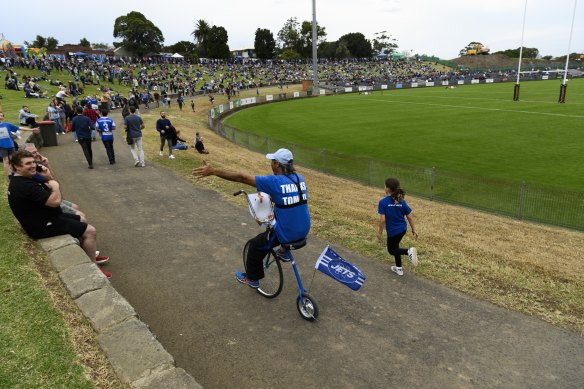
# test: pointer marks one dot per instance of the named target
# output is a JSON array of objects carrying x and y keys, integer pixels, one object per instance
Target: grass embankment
[{"x": 525, "y": 267}]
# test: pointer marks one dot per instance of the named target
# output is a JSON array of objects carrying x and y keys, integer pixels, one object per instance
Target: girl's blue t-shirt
[
  {"x": 293, "y": 223},
  {"x": 395, "y": 222}
]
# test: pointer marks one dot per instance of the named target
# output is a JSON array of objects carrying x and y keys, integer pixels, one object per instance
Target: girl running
[{"x": 393, "y": 212}]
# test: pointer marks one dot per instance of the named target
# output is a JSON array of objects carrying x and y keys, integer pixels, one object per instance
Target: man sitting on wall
[{"x": 37, "y": 207}]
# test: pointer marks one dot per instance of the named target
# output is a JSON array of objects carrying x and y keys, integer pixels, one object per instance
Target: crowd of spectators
[{"x": 186, "y": 79}]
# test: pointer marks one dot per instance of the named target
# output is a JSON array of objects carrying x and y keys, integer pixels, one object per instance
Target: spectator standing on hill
[
  {"x": 393, "y": 212},
  {"x": 37, "y": 207},
  {"x": 288, "y": 191},
  {"x": 167, "y": 133},
  {"x": 84, "y": 129},
  {"x": 134, "y": 126},
  {"x": 105, "y": 126},
  {"x": 180, "y": 101},
  {"x": 55, "y": 115},
  {"x": 193, "y": 105},
  {"x": 9, "y": 132},
  {"x": 93, "y": 116}
]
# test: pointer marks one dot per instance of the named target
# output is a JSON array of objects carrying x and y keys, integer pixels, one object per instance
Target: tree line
[{"x": 293, "y": 41}]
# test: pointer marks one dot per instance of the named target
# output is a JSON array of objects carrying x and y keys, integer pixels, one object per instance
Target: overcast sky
[{"x": 430, "y": 27}]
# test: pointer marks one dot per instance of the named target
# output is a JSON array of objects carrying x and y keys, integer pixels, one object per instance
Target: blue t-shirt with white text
[
  {"x": 6, "y": 129},
  {"x": 293, "y": 219},
  {"x": 395, "y": 222}
]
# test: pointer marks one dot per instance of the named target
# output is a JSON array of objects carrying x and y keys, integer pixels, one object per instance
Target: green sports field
[{"x": 472, "y": 129}]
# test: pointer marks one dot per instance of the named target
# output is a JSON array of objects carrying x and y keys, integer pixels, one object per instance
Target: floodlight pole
[
  {"x": 517, "y": 86},
  {"x": 314, "y": 52},
  {"x": 564, "y": 86}
]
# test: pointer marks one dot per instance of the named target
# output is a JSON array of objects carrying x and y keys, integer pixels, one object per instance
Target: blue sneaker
[
  {"x": 283, "y": 255},
  {"x": 242, "y": 277}
]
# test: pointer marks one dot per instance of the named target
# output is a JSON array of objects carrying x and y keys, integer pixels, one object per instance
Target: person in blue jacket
[
  {"x": 393, "y": 212},
  {"x": 289, "y": 194}
]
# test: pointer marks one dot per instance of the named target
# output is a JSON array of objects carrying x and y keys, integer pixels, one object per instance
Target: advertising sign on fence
[
  {"x": 444, "y": 83},
  {"x": 237, "y": 103},
  {"x": 296, "y": 94},
  {"x": 221, "y": 108},
  {"x": 545, "y": 77},
  {"x": 474, "y": 81},
  {"x": 348, "y": 90},
  {"x": 322, "y": 91},
  {"x": 429, "y": 83},
  {"x": 414, "y": 84},
  {"x": 249, "y": 100},
  {"x": 489, "y": 80},
  {"x": 269, "y": 97},
  {"x": 383, "y": 86},
  {"x": 460, "y": 82}
]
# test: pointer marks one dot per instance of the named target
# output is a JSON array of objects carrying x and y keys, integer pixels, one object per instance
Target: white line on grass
[{"x": 479, "y": 108}]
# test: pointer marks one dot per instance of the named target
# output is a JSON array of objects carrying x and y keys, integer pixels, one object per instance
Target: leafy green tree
[
  {"x": 289, "y": 55},
  {"x": 528, "y": 52},
  {"x": 327, "y": 49},
  {"x": 358, "y": 46},
  {"x": 100, "y": 46},
  {"x": 383, "y": 43},
  {"x": 84, "y": 42},
  {"x": 342, "y": 50},
  {"x": 52, "y": 43},
  {"x": 139, "y": 35},
  {"x": 289, "y": 37},
  {"x": 217, "y": 43},
  {"x": 264, "y": 44},
  {"x": 201, "y": 35},
  {"x": 182, "y": 47},
  {"x": 306, "y": 36}
]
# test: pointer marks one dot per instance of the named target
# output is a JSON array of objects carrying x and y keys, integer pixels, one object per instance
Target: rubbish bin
[{"x": 48, "y": 133}]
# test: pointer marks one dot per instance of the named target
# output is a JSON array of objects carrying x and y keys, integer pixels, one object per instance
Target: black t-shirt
[{"x": 27, "y": 199}]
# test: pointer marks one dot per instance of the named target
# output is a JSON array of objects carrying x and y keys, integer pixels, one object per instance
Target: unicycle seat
[{"x": 294, "y": 245}]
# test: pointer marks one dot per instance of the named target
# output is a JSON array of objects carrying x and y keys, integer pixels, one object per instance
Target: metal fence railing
[{"x": 537, "y": 203}]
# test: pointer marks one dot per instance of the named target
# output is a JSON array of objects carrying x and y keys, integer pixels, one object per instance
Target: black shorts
[{"x": 66, "y": 223}]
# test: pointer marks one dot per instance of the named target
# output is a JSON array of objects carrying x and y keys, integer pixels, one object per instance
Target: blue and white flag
[{"x": 331, "y": 264}]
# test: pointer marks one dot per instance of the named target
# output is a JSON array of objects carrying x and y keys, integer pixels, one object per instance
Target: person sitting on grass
[
  {"x": 37, "y": 207},
  {"x": 199, "y": 146}
]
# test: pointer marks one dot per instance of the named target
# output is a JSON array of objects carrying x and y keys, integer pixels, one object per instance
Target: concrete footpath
[{"x": 174, "y": 248}]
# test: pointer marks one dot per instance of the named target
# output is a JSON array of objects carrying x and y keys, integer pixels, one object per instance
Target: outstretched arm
[{"x": 207, "y": 170}]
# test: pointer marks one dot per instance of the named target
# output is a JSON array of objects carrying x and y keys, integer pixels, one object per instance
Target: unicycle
[
  {"x": 273, "y": 280},
  {"x": 262, "y": 210}
]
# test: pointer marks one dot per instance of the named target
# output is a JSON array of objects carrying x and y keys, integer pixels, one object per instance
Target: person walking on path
[
  {"x": 105, "y": 127},
  {"x": 83, "y": 127},
  {"x": 288, "y": 191},
  {"x": 393, "y": 212},
  {"x": 93, "y": 116},
  {"x": 167, "y": 133},
  {"x": 134, "y": 126}
]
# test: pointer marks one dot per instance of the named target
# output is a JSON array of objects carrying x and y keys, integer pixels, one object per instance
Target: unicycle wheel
[
  {"x": 271, "y": 284},
  {"x": 309, "y": 309}
]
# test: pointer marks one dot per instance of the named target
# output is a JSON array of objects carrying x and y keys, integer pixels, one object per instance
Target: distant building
[{"x": 243, "y": 54}]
